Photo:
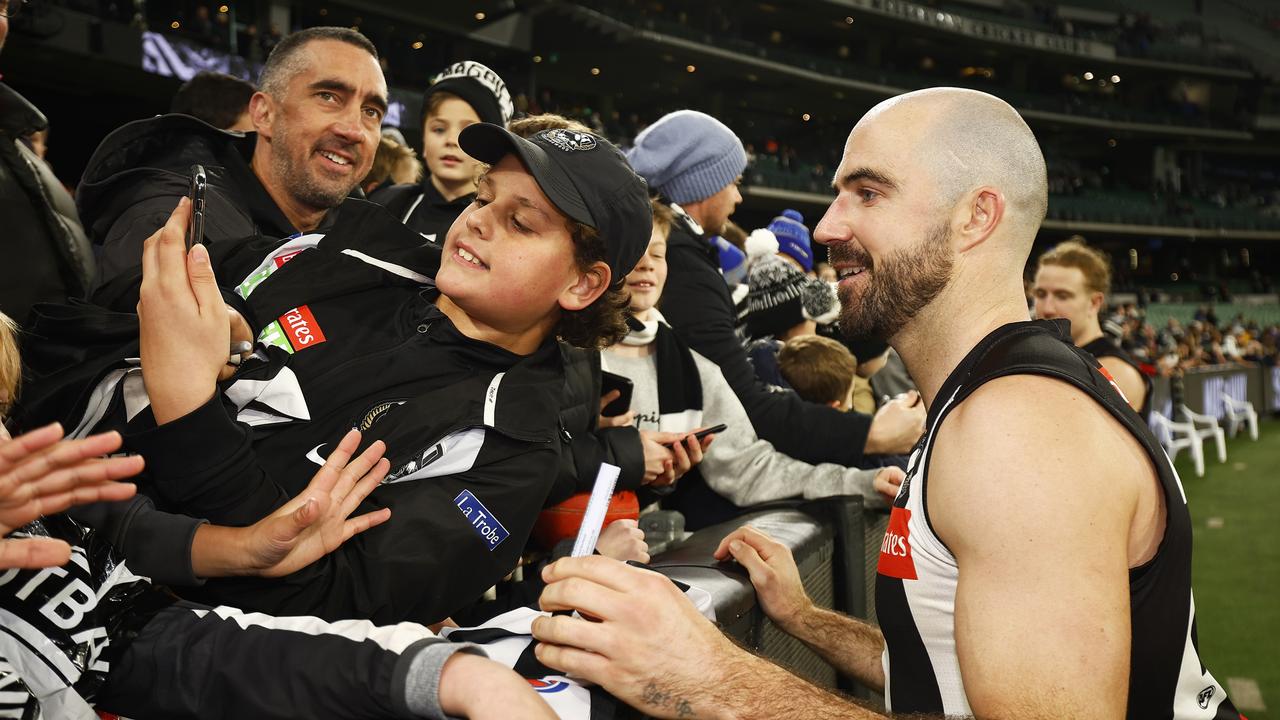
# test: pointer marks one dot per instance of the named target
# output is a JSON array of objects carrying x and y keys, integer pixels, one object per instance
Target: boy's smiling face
[{"x": 509, "y": 257}]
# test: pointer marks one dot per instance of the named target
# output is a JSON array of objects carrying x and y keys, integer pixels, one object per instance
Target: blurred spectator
[
  {"x": 462, "y": 94},
  {"x": 38, "y": 141},
  {"x": 783, "y": 303},
  {"x": 217, "y": 98},
  {"x": 41, "y": 227},
  {"x": 393, "y": 164},
  {"x": 1071, "y": 282},
  {"x": 793, "y": 239},
  {"x": 819, "y": 369}
]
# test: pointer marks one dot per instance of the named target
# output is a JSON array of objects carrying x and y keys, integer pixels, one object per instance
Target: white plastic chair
[
  {"x": 1176, "y": 436},
  {"x": 1239, "y": 412},
  {"x": 1206, "y": 426}
]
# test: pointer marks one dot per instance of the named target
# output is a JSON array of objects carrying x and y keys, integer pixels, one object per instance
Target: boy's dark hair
[
  {"x": 533, "y": 124},
  {"x": 216, "y": 98},
  {"x": 281, "y": 63},
  {"x": 603, "y": 322},
  {"x": 819, "y": 369}
]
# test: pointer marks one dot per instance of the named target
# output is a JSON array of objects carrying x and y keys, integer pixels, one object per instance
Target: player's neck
[
  {"x": 942, "y": 334},
  {"x": 1088, "y": 333}
]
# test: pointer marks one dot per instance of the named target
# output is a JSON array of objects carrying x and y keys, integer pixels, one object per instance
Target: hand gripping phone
[
  {"x": 610, "y": 382},
  {"x": 196, "y": 194}
]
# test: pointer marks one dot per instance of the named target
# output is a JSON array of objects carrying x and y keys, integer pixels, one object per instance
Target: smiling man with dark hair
[{"x": 317, "y": 121}]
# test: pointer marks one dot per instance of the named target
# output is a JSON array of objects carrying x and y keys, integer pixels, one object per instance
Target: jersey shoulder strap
[{"x": 1045, "y": 348}]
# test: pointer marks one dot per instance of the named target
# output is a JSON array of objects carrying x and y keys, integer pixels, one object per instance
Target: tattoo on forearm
[{"x": 653, "y": 695}]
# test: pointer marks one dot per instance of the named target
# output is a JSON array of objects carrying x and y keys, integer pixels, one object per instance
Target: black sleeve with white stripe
[{"x": 195, "y": 662}]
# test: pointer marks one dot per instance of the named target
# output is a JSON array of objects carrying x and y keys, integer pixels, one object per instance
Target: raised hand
[
  {"x": 184, "y": 329},
  {"x": 42, "y": 474},
  {"x": 312, "y": 525}
]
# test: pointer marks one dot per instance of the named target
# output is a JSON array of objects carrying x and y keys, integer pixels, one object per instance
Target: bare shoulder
[
  {"x": 1127, "y": 378},
  {"x": 1119, "y": 369},
  {"x": 1036, "y": 444}
]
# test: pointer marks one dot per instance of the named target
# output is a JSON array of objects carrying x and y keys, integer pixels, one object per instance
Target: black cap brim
[{"x": 490, "y": 143}]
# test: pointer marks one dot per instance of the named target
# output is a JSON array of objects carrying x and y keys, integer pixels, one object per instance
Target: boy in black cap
[
  {"x": 462, "y": 94},
  {"x": 460, "y": 378}
]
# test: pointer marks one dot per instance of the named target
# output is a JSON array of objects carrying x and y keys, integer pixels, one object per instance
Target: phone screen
[{"x": 195, "y": 229}]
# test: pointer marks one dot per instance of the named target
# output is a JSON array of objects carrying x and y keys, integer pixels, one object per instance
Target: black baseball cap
[{"x": 585, "y": 176}]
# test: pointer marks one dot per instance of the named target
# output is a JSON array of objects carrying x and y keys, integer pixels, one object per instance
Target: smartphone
[
  {"x": 610, "y": 382},
  {"x": 199, "y": 182},
  {"x": 713, "y": 430}
]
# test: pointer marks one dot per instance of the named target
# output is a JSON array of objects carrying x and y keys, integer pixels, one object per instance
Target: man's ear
[
  {"x": 262, "y": 112},
  {"x": 589, "y": 286},
  {"x": 1095, "y": 302},
  {"x": 978, "y": 216}
]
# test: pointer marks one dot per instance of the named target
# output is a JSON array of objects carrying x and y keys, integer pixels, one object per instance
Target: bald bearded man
[{"x": 1043, "y": 579}]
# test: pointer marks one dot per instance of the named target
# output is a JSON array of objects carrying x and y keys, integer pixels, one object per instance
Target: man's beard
[
  {"x": 898, "y": 287},
  {"x": 300, "y": 181}
]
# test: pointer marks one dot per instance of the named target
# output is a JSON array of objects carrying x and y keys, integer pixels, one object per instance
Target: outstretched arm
[
  {"x": 649, "y": 646},
  {"x": 312, "y": 525},
  {"x": 41, "y": 474},
  {"x": 852, "y": 646}
]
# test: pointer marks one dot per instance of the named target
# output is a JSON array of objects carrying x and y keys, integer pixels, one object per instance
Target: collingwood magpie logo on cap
[{"x": 569, "y": 140}]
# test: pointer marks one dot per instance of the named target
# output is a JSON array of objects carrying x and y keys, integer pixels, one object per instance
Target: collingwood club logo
[
  {"x": 1204, "y": 696},
  {"x": 569, "y": 140},
  {"x": 375, "y": 413}
]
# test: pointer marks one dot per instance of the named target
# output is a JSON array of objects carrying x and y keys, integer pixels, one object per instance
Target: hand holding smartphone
[
  {"x": 610, "y": 382},
  {"x": 196, "y": 194},
  {"x": 714, "y": 429}
]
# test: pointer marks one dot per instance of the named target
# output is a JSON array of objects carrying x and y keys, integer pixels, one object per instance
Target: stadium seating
[
  {"x": 1238, "y": 413},
  {"x": 1178, "y": 436},
  {"x": 1206, "y": 428}
]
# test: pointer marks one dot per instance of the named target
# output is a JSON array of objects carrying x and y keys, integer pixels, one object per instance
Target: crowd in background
[{"x": 1204, "y": 340}]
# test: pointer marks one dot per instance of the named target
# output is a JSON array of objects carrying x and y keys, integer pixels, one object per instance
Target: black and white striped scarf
[{"x": 679, "y": 384}]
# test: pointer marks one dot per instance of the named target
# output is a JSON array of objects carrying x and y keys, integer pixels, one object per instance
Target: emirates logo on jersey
[
  {"x": 301, "y": 329},
  {"x": 895, "y": 549}
]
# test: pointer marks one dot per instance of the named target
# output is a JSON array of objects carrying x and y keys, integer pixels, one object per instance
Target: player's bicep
[
  {"x": 1039, "y": 527},
  {"x": 1035, "y": 636}
]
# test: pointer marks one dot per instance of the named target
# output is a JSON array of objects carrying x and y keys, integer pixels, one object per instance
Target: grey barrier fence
[{"x": 1202, "y": 389}]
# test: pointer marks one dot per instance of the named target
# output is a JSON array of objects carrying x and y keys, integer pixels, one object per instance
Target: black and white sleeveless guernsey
[
  {"x": 1105, "y": 347},
  {"x": 916, "y": 579}
]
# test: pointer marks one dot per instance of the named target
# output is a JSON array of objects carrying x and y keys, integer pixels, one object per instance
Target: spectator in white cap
[
  {"x": 694, "y": 163},
  {"x": 462, "y": 94}
]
